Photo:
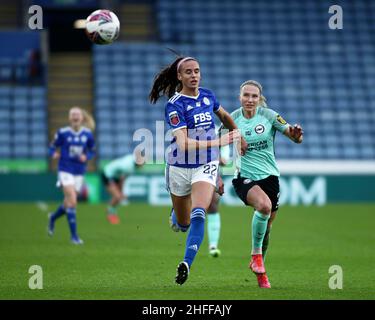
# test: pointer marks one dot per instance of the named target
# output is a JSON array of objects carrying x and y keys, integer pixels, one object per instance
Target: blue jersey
[
  {"x": 196, "y": 115},
  {"x": 72, "y": 145}
]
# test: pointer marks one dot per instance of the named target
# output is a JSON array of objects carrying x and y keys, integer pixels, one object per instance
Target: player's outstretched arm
[{"x": 294, "y": 133}]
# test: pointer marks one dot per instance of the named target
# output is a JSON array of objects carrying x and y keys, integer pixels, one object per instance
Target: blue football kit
[
  {"x": 196, "y": 114},
  {"x": 72, "y": 145}
]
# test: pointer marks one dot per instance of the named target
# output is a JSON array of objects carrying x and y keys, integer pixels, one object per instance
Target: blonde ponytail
[
  {"x": 262, "y": 102},
  {"x": 88, "y": 120}
]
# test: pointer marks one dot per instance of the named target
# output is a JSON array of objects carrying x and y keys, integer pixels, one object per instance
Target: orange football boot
[
  {"x": 263, "y": 281},
  {"x": 256, "y": 264},
  {"x": 113, "y": 218}
]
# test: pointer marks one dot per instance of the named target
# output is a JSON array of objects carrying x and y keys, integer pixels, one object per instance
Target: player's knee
[
  {"x": 118, "y": 198},
  {"x": 70, "y": 202},
  {"x": 264, "y": 207}
]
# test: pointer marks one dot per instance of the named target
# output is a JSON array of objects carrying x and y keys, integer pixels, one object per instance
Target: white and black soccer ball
[{"x": 102, "y": 26}]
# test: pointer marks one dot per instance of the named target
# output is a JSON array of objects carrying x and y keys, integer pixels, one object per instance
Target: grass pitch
[{"x": 137, "y": 259}]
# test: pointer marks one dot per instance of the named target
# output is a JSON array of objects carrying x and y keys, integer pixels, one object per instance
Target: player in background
[
  {"x": 73, "y": 146},
  {"x": 192, "y": 164},
  {"x": 213, "y": 214},
  {"x": 114, "y": 175},
  {"x": 256, "y": 179}
]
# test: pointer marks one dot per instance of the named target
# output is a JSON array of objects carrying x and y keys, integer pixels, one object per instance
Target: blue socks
[
  {"x": 71, "y": 215},
  {"x": 58, "y": 213},
  {"x": 196, "y": 234},
  {"x": 259, "y": 227}
]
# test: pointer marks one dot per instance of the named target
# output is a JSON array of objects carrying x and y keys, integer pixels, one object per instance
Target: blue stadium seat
[
  {"x": 299, "y": 64},
  {"x": 21, "y": 150},
  {"x": 5, "y": 151},
  {"x": 38, "y": 152}
]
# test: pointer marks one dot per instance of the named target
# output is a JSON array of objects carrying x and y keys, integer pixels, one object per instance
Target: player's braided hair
[{"x": 262, "y": 101}]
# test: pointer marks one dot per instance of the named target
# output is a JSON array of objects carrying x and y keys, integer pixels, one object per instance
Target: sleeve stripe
[
  {"x": 182, "y": 127},
  {"x": 174, "y": 98}
]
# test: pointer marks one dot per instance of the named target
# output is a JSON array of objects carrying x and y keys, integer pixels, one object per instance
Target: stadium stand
[
  {"x": 313, "y": 75},
  {"x": 23, "y": 123},
  {"x": 23, "y": 108}
]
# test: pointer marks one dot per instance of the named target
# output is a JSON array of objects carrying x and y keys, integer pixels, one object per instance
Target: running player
[
  {"x": 73, "y": 146},
  {"x": 114, "y": 176},
  {"x": 192, "y": 164},
  {"x": 256, "y": 180},
  {"x": 213, "y": 214}
]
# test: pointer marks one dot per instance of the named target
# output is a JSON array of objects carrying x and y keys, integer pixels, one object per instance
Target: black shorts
[
  {"x": 269, "y": 185},
  {"x": 107, "y": 180}
]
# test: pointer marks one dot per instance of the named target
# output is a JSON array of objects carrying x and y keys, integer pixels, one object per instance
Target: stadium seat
[
  {"x": 299, "y": 64},
  {"x": 22, "y": 121}
]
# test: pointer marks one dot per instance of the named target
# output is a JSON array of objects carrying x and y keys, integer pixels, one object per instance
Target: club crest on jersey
[
  {"x": 174, "y": 118},
  {"x": 280, "y": 119},
  {"x": 84, "y": 139},
  {"x": 259, "y": 129},
  {"x": 206, "y": 101}
]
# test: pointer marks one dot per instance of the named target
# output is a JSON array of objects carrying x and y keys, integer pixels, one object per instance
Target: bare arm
[
  {"x": 229, "y": 123},
  {"x": 186, "y": 144},
  {"x": 226, "y": 119}
]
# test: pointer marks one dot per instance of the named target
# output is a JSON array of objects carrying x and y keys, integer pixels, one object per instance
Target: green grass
[{"x": 137, "y": 259}]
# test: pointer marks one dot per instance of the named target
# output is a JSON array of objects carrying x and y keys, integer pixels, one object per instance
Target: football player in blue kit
[
  {"x": 73, "y": 146},
  {"x": 193, "y": 158}
]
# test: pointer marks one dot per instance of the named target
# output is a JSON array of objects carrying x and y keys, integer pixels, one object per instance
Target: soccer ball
[{"x": 102, "y": 26}]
